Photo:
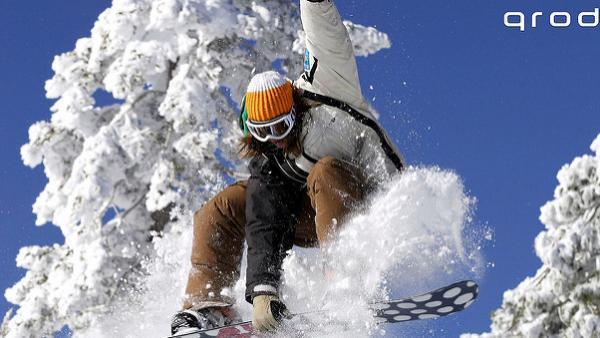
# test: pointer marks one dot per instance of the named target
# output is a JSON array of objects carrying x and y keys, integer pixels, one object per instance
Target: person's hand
[{"x": 268, "y": 311}]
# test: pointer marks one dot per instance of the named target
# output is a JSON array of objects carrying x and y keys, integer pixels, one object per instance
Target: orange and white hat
[{"x": 269, "y": 95}]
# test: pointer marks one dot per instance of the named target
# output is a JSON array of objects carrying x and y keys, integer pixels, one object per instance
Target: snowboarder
[{"x": 315, "y": 152}]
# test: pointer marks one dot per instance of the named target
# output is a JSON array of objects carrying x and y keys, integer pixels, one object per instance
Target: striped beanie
[{"x": 269, "y": 95}]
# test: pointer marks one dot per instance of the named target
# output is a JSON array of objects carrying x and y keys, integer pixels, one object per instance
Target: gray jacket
[{"x": 340, "y": 124}]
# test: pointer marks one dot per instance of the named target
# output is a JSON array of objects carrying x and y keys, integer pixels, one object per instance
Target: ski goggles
[{"x": 276, "y": 129}]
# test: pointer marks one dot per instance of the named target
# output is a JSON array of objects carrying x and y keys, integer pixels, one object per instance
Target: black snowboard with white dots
[{"x": 441, "y": 302}]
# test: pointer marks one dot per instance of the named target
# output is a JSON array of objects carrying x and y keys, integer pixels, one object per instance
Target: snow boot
[{"x": 203, "y": 319}]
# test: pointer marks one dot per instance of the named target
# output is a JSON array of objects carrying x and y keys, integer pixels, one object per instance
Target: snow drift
[{"x": 414, "y": 236}]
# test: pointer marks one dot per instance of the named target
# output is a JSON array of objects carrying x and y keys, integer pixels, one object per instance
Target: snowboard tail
[{"x": 438, "y": 303}]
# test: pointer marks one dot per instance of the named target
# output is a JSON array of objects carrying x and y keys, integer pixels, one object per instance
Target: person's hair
[{"x": 251, "y": 147}]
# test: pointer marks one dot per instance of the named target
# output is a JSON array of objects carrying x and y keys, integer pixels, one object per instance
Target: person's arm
[
  {"x": 330, "y": 65},
  {"x": 271, "y": 202}
]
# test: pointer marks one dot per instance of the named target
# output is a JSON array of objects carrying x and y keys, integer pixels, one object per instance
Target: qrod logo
[{"x": 556, "y": 19}]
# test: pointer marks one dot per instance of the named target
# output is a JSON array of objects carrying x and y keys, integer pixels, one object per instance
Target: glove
[{"x": 267, "y": 312}]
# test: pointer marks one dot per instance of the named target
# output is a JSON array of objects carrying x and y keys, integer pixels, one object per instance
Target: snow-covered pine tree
[
  {"x": 176, "y": 70},
  {"x": 563, "y": 298}
]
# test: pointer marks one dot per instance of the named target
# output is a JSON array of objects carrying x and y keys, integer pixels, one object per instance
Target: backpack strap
[{"x": 330, "y": 101}]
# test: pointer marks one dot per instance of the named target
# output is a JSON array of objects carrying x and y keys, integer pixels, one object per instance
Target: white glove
[{"x": 268, "y": 311}]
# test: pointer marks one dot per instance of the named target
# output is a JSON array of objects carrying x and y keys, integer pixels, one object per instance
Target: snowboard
[{"x": 441, "y": 302}]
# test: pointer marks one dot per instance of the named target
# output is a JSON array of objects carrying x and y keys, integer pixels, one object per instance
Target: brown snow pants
[{"x": 333, "y": 189}]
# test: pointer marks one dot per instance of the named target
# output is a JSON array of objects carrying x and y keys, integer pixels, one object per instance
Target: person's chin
[{"x": 279, "y": 143}]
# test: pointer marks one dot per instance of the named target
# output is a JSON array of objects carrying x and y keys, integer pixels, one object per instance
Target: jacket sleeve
[
  {"x": 329, "y": 64},
  {"x": 271, "y": 208}
]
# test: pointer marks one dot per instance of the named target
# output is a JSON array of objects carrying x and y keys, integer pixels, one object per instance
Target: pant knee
[
  {"x": 227, "y": 208},
  {"x": 219, "y": 227},
  {"x": 331, "y": 171},
  {"x": 323, "y": 168}
]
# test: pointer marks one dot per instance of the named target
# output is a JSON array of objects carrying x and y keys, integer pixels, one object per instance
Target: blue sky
[{"x": 504, "y": 109}]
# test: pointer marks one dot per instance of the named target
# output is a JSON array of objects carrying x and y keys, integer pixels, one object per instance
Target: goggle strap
[{"x": 244, "y": 117}]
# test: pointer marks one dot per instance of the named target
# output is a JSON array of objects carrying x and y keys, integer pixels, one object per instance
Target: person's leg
[
  {"x": 335, "y": 188},
  {"x": 217, "y": 248}
]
